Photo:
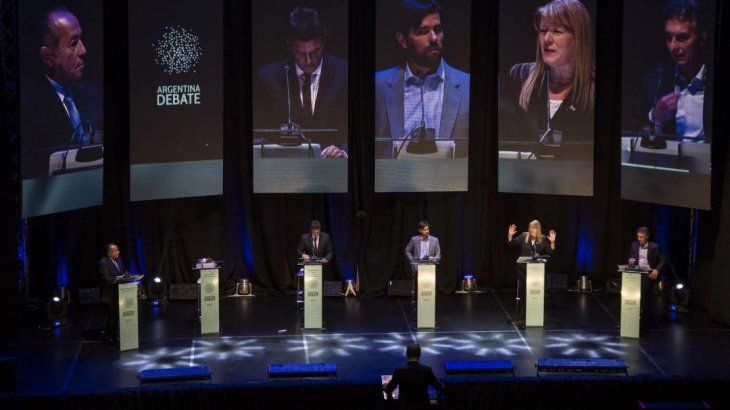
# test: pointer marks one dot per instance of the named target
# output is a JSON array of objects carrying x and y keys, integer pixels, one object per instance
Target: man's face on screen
[
  {"x": 307, "y": 53},
  {"x": 425, "y": 43},
  {"x": 683, "y": 43},
  {"x": 65, "y": 63}
]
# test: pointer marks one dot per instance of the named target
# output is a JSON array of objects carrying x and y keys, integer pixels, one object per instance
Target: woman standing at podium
[{"x": 530, "y": 243}]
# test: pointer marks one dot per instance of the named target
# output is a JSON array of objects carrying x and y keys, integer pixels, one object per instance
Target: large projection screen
[
  {"x": 422, "y": 57},
  {"x": 175, "y": 98},
  {"x": 61, "y": 105},
  {"x": 666, "y": 116},
  {"x": 300, "y": 96},
  {"x": 546, "y": 97}
]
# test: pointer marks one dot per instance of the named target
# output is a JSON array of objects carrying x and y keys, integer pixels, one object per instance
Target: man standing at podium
[
  {"x": 648, "y": 256},
  {"x": 316, "y": 244},
  {"x": 111, "y": 266},
  {"x": 423, "y": 247}
]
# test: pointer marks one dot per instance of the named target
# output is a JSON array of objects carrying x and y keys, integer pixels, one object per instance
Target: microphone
[
  {"x": 426, "y": 142},
  {"x": 74, "y": 135},
  {"x": 548, "y": 130},
  {"x": 288, "y": 94},
  {"x": 648, "y": 132}
]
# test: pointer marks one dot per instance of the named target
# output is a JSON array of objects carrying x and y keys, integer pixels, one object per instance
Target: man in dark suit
[
  {"x": 676, "y": 99},
  {"x": 648, "y": 256},
  {"x": 59, "y": 108},
  {"x": 111, "y": 266},
  {"x": 424, "y": 90},
  {"x": 316, "y": 244},
  {"x": 317, "y": 83},
  {"x": 423, "y": 246},
  {"x": 412, "y": 381}
]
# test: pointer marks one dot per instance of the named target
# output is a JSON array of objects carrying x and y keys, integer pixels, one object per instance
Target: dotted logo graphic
[{"x": 178, "y": 50}]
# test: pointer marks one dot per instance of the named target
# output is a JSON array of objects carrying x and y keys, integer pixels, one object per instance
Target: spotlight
[
  {"x": 350, "y": 290},
  {"x": 468, "y": 284},
  {"x": 157, "y": 292},
  {"x": 244, "y": 287},
  {"x": 55, "y": 314},
  {"x": 679, "y": 298}
]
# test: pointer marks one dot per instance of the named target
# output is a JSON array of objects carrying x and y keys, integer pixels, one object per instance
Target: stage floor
[{"x": 364, "y": 336}]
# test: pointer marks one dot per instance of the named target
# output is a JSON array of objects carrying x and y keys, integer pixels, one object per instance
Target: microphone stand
[
  {"x": 648, "y": 137},
  {"x": 423, "y": 145}
]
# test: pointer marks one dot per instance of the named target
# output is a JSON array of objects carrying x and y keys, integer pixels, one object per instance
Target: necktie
[
  {"x": 75, "y": 117},
  {"x": 316, "y": 240},
  {"x": 116, "y": 264},
  {"x": 307, "y": 93}
]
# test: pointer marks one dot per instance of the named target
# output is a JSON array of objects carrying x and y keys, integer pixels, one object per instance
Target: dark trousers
[
  {"x": 647, "y": 287},
  {"x": 111, "y": 310}
]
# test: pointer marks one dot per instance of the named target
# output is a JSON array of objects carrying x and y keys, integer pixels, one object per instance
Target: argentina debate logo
[{"x": 178, "y": 51}]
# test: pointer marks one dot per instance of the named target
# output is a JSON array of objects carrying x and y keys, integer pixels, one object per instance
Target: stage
[{"x": 365, "y": 337}]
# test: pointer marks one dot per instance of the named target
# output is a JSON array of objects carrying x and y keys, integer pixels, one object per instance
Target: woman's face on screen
[
  {"x": 557, "y": 45},
  {"x": 533, "y": 231}
]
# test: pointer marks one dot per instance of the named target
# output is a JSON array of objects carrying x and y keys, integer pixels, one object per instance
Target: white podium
[
  {"x": 426, "y": 295},
  {"x": 312, "y": 295},
  {"x": 534, "y": 291},
  {"x": 209, "y": 301},
  {"x": 630, "y": 301},
  {"x": 128, "y": 314}
]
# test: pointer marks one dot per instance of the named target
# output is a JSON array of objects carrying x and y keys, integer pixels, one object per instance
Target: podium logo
[
  {"x": 127, "y": 304},
  {"x": 209, "y": 288},
  {"x": 178, "y": 50}
]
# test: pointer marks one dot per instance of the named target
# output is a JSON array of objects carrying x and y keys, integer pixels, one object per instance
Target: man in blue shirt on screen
[{"x": 424, "y": 91}]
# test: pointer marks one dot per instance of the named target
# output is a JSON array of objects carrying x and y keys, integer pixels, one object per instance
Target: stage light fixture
[
  {"x": 244, "y": 287},
  {"x": 468, "y": 284},
  {"x": 584, "y": 283},
  {"x": 350, "y": 289},
  {"x": 157, "y": 292},
  {"x": 55, "y": 313},
  {"x": 679, "y": 298}
]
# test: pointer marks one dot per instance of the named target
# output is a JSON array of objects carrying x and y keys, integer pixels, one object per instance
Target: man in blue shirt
[{"x": 424, "y": 90}]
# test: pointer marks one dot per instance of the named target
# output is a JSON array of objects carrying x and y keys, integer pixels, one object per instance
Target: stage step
[
  {"x": 175, "y": 374},
  {"x": 480, "y": 367},
  {"x": 290, "y": 370},
  {"x": 582, "y": 365}
]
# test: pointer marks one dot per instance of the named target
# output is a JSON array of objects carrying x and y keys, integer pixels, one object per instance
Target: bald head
[{"x": 61, "y": 49}]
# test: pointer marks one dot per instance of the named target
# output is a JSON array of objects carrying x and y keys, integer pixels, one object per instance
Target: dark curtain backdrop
[{"x": 255, "y": 235}]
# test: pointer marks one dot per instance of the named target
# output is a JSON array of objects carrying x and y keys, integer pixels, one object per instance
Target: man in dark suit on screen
[
  {"x": 316, "y": 245},
  {"x": 676, "y": 99},
  {"x": 60, "y": 110},
  {"x": 423, "y": 91},
  {"x": 110, "y": 266},
  {"x": 412, "y": 381},
  {"x": 317, "y": 85}
]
